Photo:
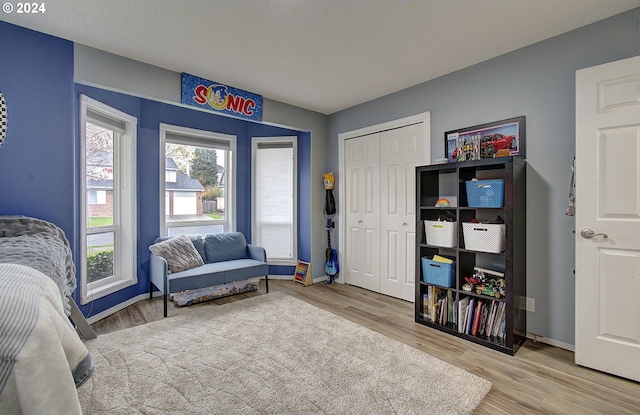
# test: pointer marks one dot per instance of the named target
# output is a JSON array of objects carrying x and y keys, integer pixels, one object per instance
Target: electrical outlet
[
  {"x": 531, "y": 304},
  {"x": 527, "y": 304}
]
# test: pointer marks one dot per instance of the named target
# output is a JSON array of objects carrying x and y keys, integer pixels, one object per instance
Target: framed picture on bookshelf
[
  {"x": 494, "y": 139},
  {"x": 303, "y": 273}
]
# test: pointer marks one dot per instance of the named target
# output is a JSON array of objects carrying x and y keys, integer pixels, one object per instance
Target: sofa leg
[
  {"x": 266, "y": 281},
  {"x": 150, "y": 290},
  {"x": 165, "y": 304}
]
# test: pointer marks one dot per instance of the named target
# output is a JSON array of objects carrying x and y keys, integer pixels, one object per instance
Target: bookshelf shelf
[{"x": 441, "y": 307}]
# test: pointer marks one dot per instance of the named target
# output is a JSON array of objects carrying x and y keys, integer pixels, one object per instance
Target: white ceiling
[{"x": 323, "y": 55}]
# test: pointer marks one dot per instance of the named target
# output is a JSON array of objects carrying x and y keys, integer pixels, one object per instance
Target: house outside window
[
  {"x": 98, "y": 197},
  {"x": 183, "y": 195},
  {"x": 196, "y": 181},
  {"x": 108, "y": 195}
]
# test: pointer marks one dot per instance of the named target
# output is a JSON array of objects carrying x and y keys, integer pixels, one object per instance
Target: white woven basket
[
  {"x": 484, "y": 237},
  {"x": 438, "y": 233}
]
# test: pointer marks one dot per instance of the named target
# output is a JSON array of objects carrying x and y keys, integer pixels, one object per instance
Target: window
[
  {"x": 274, "y": 198},
  {"x": 108, "y": 197},
  {"x": 196, "y": 181},
  {"x": 96, "y": 197}
]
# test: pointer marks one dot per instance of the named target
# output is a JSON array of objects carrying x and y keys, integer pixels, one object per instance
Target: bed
[{"x": 42, "y": 357}]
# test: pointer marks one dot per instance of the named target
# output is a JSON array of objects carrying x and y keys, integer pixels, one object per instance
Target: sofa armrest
[
  {"x": 256, "y": 252},
  {"x": 158, "y": 272}
]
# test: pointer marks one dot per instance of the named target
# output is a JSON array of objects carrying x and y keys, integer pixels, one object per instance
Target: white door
[
  {"x": 362, "y": 191},
  {"x": 402, "y": 149},
  {"x": 608, "y": 207}
]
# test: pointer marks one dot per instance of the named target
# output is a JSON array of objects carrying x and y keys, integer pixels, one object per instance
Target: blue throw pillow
[{"x": 225, "y": 246}]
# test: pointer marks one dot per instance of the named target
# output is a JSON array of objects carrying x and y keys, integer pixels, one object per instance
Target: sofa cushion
[
  {"x": 198, "y": 242},
  {"x": 216, "y": 273},
  {"x": 225, "y": 246},
  {"x": 179, "y": 253}
]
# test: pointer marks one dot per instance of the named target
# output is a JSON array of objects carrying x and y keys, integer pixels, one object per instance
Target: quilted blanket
[
  {"x": 41, "y": 245},
  {"x": 42, "y": 358}
]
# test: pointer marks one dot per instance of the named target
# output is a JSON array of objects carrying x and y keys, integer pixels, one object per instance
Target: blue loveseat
[{"x": 226, "y": 257}]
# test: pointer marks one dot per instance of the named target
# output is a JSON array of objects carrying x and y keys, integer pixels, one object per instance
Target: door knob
[
  {"x": 404, "y": 223},
  {"x": 589, "y": 233}
]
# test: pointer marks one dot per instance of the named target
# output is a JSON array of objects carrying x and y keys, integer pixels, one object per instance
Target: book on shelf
[
  {"x": 503, "y": 324},
  {"x": 491, "y": 318},
  {"x": 434, "y": 303},
  {"x": 499, "y": 318},
  {"x": 438, "y": 258},
  {"x": 472, "y": 304},
  {"x": 463, "y": 305},
  {"x": 451, "y": 309},
  {"x": 484, "y": 315},
  {"x": 426, "y": 309},
  {"x": 466, "y": 318},
  {"x": 476, "y": 318}
]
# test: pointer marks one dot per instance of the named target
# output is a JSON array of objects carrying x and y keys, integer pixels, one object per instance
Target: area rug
[{"x": 269, "y": 354}]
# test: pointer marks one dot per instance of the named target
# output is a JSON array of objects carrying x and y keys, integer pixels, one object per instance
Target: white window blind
[
  {"x": 274, "y": 198},
  {"x": 105, "y": 121},
  {"x": 194, "y": 140}
]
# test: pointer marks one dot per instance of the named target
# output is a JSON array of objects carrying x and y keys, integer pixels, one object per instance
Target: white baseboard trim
[
  {"x": 316, "y": 280},
  {"x": 280, "y": 277},
  {"x": 121, "y": 306},
  {"x": 551, "y": 342}
]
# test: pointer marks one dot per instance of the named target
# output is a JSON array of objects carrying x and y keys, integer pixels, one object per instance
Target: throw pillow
[{"x": 179, "y": 253}]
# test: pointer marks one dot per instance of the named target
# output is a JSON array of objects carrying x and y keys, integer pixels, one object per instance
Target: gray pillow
[{"x": 179, "y": 253}]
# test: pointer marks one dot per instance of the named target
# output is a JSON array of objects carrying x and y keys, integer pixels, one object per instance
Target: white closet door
[
  {"x": 402, "y": 149},
  {"x": 362, "y": 190}
]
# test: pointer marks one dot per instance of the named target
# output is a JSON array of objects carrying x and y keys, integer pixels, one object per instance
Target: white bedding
[{"x": 42, "y": 358}]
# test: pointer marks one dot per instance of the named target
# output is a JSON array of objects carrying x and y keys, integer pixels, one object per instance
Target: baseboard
[
  {"x": 550, "y": 342},
  {"x": 316, "y": 280},
  {"x": 280, "y": 277},
  {"x": 121, "y": 306}
]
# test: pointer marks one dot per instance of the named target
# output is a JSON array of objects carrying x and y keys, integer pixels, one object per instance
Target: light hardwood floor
[{"x": 539, "y": 379}]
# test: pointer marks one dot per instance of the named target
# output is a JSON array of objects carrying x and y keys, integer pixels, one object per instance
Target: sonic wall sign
[{"x": 210, "y": 95}]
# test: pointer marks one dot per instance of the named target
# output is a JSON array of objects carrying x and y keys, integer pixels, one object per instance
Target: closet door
[
  {"x": 362, "y": 190},
  {"x": 402, "y": 150}
]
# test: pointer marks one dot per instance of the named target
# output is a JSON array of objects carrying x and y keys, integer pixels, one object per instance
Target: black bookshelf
[{"x": 448, "y": 181}]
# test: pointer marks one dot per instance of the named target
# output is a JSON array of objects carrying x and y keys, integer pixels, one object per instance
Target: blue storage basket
[
  {"x": 485, "y": 193},
  {"x": 438, "y": 273}
]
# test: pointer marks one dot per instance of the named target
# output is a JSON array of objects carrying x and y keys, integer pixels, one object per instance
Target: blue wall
[
  {"x": 39, "y": 161},
  {"x": 37, "y": 158},
  {"x": 150, "y": 115}
]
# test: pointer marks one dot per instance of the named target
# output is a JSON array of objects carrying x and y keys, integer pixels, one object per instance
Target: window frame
[
  {"x": 124, "y": 190},
  {"x": 200, "y": 138},
  {"x": 255, "y": 237}
]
